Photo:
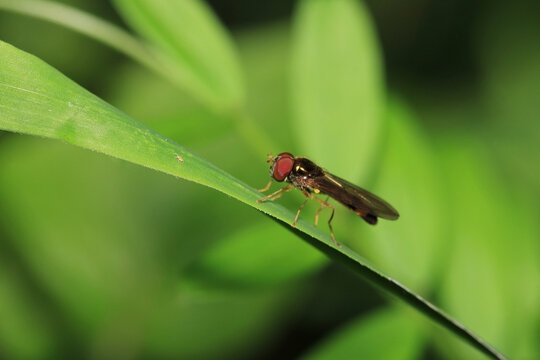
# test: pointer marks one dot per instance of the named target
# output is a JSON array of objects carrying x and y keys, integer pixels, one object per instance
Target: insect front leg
[
  {"x": 266, "y": 187},
  {"x": 275, "y": 195}
]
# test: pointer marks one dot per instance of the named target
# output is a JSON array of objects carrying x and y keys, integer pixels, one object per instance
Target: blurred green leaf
[
  {"x": 54, "y": 43},
  {"x": 38, "y": 100},
  {"x": 68, "y": 224},
  {"x": 258, "y": 255},
  {"x": 386, "y": 334},
  {"x": 493, "y": 245},
  {"x": 88, "y": 25},
  {"x": 25, "y": 332},
  {"x": 195, "y": 44},
  {"x": 408, "y": 177},
  {"x": 205, "y": 324},
  {"x": 265, "y": 54},
  {"x": 220, "y": 76},
  {"x": 109, "y": 254},
  {"x": 160, "y": 105},
  {"x": 337, "y": 85},
  {"x": 509, "y": 61}
]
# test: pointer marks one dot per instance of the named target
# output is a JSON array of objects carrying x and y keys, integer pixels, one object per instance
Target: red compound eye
[{"x": 283, "y": 166}]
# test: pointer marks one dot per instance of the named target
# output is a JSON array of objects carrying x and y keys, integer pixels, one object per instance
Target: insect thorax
[{"x": 303, "y": 173}]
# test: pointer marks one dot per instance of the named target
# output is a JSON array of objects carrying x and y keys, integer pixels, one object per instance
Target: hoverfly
[{"x": 311, "y": 179}]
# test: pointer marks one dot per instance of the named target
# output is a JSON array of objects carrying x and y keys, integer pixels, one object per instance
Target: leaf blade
[
  {"x": 38, "y": 100},
  {"x": 337, "y": 85},
  {"x": 194, "y": 43},
  {"x": 368, "y": 338}
]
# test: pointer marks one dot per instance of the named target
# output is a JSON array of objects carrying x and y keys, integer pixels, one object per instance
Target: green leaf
[
  {"x": 205, "y": 324},
  {"x": 89, "y": 250},
  {"x": 195, "y": 45},
  {"x": 162, "y": 106},
  {"x": 408, "y": 177},
  {"x": 487, "y": 276},
  {"x": 88, "y": 25},
  {"x": 213, "y": 86},
  {"x": 337, "y": 85},
  {"x": 268, "y": 47},
  {"x": 119, "y": 231},
  {"x": 257, "y": 256},
  {"x": 36, "y": 99},
  {"x": 512, "y": 108},
  {"x": 25, "y": 332},
  {"x": 386, "y": 334}
]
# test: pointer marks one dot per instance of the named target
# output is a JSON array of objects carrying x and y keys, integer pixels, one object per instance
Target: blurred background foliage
[{"x": 433, "y": 105}]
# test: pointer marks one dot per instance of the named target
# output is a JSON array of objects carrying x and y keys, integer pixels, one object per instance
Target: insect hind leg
[
  {"x": 323, "y": 205},
  {"x": 332, "y": 230}
]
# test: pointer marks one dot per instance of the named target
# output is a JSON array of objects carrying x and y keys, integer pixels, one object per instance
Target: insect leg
[
  {"x": 275, "y": 195},
  {"x": 308, "y": 196},
  {"x": 332, "y": 230},
  {"x": 318, "y": 211},
  {"x": 266, "y": 187},
  {"x": 325, "y": 204},
  {"x": 298, "y": 212},
  {"x": 284, "y": 190}
]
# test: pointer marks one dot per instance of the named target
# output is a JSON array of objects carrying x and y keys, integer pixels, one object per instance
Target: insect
[{"x": 311, "y": 179}]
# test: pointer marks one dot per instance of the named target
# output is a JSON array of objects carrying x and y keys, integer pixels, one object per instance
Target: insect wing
[{"x": 354, "y": 197}]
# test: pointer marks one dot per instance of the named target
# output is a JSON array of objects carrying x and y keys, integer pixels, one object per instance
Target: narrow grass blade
[{"x": 38, "y": 100}]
